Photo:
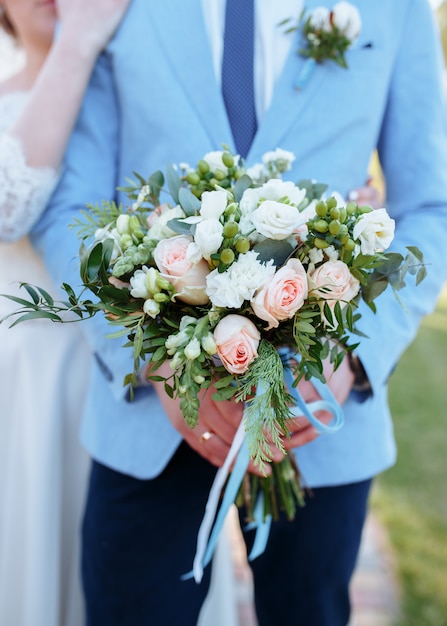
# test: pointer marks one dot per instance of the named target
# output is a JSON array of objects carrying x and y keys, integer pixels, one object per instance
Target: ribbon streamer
[
  {"x": 208, "y": 533},
  {"x": 305, "y": 73}
]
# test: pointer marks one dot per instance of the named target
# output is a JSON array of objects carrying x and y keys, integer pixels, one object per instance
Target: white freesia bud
[
  {"x": 187, "y": 320},
  {"x": 214, "y": 204},
  {"x": 101, "y": 234},
  {"x": 151, "y": 280},
  {"x": 199, "y": 379},
  {"x": 375, "y": 231},
  {"x": 346, "y": 18},
  {"x": 177, "y": 362},
  {"x": 208, "y": 344},
  {"x": 193, "y": 350},
  {"x": 151, "y": 308},
  {"x": 122, "y": 224}
]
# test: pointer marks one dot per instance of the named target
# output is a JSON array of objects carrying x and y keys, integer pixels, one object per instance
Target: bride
[{"x": 43, "y": 366}]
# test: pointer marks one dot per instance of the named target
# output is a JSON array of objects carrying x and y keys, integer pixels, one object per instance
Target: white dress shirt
[{"x": 272, "y": 44}]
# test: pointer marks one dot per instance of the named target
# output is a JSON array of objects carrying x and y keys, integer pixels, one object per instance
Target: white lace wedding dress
[{"x": 43, "y": 376}]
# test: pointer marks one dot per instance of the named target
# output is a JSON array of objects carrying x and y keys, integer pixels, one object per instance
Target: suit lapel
[
  {"x": 288, "y": 102},
  {"x": 182, "y": 35}
]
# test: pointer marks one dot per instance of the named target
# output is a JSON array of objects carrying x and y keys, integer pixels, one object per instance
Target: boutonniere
[{"x": 327, "y": 34}]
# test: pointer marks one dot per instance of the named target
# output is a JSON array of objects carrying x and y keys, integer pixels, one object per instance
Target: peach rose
[
  {"x": 188, "y": 278},
  {"x": 237, "y": 340},
  {"x": 282, "y": 295},
  {"x": 334, "y": 282}
]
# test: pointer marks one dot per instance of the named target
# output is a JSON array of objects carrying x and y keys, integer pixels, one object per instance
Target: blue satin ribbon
[
  {"x": 261, "y": 524},
  {"x": 305, "y": 73}
]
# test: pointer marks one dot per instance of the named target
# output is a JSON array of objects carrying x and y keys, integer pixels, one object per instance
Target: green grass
[{"x": 411, "y": 498}]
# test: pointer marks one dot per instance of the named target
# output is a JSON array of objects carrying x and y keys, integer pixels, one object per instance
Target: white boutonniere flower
[{"x": 327, "y": 35}]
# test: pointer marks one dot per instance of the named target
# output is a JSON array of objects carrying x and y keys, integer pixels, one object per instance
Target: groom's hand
[{"x": 216, "y": 428}]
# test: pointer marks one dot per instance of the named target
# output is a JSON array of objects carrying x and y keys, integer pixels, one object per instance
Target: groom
[{"x": 159, "y": 94}]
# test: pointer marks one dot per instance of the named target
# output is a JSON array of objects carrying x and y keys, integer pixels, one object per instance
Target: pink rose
[
  {"x": 237, "y": 340},
  {"x": 335, "y": 283},
  {"x": 188, "y": 278},
  {"x": 282, "y": 295}
]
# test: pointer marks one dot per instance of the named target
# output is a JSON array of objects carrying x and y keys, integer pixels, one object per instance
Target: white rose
[
  {"x": 208, "y": 237},
  {"x": 375, "y": 231},
  {"x": 213, "y": 205},
  {"x": 320, "y": 19},
  {"x": 229, "y": 289},
  {"x": 274, "y": 189},
  {"x": 122, "y": 224},
  {"x": 276, "y": 220},
  {"x": 346, "y": 18}
]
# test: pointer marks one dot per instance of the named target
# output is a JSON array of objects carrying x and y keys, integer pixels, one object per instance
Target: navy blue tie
[{"x": 238, "y": 74}]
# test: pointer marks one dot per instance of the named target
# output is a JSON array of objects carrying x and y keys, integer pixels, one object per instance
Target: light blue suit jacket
[{"x": 153, "y": 99}]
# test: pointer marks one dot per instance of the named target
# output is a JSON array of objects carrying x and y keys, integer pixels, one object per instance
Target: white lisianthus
[
  {"x": 213, "y": 204},
  {"x": 151, "y": 308},
  {"x": 320, "y": 19},
  {"x": 229, "y": 289},
  {"x": 282, "y": 159},
  {"x": 209, "y": 344},
  {"x": 193, "y": 349},
  {"x": 276, "y": 220},
  {"x": 138, "y": 284},
  {"x": 375, "y": 231},
  {"x": 199, "y": 379},
  {"x": 158, "y": 228},
  {"x": 208, "y": 237},
  {"x": 346, "y": 18}
]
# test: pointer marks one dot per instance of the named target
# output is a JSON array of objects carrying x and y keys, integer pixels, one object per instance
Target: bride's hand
[{"x": 91, "y": 22}]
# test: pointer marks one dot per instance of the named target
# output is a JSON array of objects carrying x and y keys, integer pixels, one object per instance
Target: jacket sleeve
[
  {"x": 413, "y": 153},
  {"x": 89, "y": 176}
]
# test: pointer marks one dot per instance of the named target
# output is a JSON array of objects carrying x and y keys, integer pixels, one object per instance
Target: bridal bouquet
[{"x": 241, "y": 277}]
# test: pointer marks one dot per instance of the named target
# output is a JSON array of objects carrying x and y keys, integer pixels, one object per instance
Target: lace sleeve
[{"x": 24, "y": 190}]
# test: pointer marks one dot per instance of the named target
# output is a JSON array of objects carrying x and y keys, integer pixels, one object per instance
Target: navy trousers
[{"x": 139, "y": 538}]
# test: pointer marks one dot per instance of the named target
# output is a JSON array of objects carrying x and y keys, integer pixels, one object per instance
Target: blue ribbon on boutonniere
[{"x": 212, "y": 524}]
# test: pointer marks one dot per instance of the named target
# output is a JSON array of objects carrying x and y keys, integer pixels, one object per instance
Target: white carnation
[{"x": 229, "y": 289}]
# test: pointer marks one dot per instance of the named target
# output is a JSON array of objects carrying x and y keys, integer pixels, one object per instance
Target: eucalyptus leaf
[
  {"x": 174, "y": 182},
  {"x": 274, "y": 249},
  {"x": 242, "y": 184},
  {"x": 156, "y": 182},
  {"x": 188, "y": 201},
  {"x": 179, "y": 227}
]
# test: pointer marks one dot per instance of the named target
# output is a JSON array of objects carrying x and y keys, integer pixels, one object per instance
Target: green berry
[
  {"x": 231, "y": 229},
  {"x": 334, "y": 213},
  {"x": 227, "y": 256},
  {"x": 242, "y": 245},
  {"x": 227, "y": 159},
  {"x": 321, "y": 209},
  {"x": 334, "y": 227},
  {"x": 321, "y": 243},
  {"x": 331, "y": 203},
  {"x": 193, "y": 178},
  {"x": 321, "y": 226},
  {"x": 203, "y": 166}
]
